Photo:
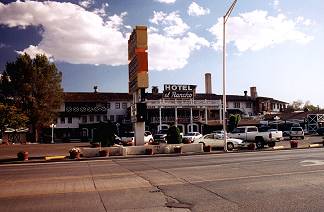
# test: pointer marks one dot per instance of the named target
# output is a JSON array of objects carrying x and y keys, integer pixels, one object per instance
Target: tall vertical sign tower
[{"x": 138, "y": 79}]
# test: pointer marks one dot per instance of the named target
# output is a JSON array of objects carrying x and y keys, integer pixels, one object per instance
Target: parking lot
[{"x": 40, "y": 150}]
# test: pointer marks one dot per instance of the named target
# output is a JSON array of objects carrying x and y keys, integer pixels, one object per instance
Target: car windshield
[
  {"x": 129, "y": 134},
  {"x": 190, "y": 134},
  {"x": 296, "y": 129}
]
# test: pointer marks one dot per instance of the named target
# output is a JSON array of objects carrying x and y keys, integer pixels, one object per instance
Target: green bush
[
  {"x": 105, "y": 133},
  {"x": 173, "y": 135}
]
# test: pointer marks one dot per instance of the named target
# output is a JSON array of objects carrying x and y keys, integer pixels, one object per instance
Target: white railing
[{"x": 184, "y": 103}]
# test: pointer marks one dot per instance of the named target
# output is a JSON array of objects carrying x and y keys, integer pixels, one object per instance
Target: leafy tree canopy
[
  {"x": 11, "y": 117},
  {"x": 34, "y": 86}
]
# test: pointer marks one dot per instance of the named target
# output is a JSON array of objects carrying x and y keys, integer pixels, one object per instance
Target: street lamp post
[
  {"x": 52, "y": 126},
  {"x": 225, "y": 18}
]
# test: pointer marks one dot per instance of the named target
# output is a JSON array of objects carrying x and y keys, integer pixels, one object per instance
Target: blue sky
[{"x": 275, "y": 45}]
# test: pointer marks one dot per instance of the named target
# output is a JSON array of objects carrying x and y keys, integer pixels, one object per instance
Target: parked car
[
  {"x": 160, "y": 137},
  {"x": 191, "y": 136},
  {"x": 251, "y": 134},
  {"x": 215, "y": 140},
  {"x": 148, "y": 137},
  {"x": 320, "y": 131},
  {"x": 296, "y": 132},
  {"x": 128, "y": 139}
]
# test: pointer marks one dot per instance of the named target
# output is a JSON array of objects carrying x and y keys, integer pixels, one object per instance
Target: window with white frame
[
  {"x": 91, "y": 118},
  {"x": 248, "y": 105},
  {"x": 117, "y": 105},
  {"x": 237, "y": 105},
  {"x": 124, "y": 105}
]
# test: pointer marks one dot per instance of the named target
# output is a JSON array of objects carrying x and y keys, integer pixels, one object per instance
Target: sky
[{"x": 275, "y": 45}]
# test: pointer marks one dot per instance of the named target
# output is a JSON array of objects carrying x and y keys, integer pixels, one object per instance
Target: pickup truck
[{"x": 252, "y": 134}]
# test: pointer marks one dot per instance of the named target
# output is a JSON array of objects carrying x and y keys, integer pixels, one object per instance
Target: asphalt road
[{"x": 287, "y": 180}]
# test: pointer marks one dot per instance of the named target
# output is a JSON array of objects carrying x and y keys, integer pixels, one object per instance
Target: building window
[
  {"x": 108, "y": 105},
  {"x": 105, "y": 118},
  {"x": 124, "y": 105},
  {"x": 248, "y": 105},
  {"x": 120, "y": 118},
  {"x": 98, "y": 118},
  {"x": 91, "y": 118},
  {"x": 62, "y": 120},
  {"x": 237, "y": 105},
  {"x": 117, "y": 105},
  {"x": 112, "y": 118},
  {"x": 84, "y": 119},
  {"x": 70, "y": 120}
]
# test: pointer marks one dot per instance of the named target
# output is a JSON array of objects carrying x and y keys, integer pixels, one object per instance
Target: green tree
[
  {"x": 11, "y": 117},
  {"x": 309, "y": 107},
  {"x": 233, "y": 121},
  {"x": 173, "y": 135},
  {"x": 34, "y": 85},
  {"x": 105, "y": 133}
]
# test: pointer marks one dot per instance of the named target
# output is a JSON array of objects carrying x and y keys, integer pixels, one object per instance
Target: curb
[{"x": 62, "y": 158}]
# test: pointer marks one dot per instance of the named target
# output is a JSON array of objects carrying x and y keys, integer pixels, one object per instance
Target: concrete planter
[
  {"x": 207, "y": 148},
  {"x": 22, "y": 155},
  {"x": 103, "y": 153},
  {"x": 293, "y": 144},
  {"x": 177, "y": 149},
  {"x": 149, "y": 151}
]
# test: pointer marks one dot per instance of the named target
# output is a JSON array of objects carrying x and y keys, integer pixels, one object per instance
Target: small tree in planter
[
  {"x": 173, "y": 135},
  {"x": 105, "y": 133}
]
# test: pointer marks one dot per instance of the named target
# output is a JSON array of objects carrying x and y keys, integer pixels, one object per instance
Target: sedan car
[
  {"x": 320, "y": 131},
  {"x": 214, "y": 140},
  {"x": 191, "y": 136}
]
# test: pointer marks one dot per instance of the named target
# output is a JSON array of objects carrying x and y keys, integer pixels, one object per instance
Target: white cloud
[
  {"x": 102, "y": 10},
  {"x": 195, "y": 10},
  {"x": 172, "y": 23},
  {"x": 170, "y": 45},
  {"x": 166, "y": 1},
  {"x": 70, "y": 33},
  {"x": 33, "y": 51},
  {"x": 169, "y": 53},
  {"x": 257, "y": 30},
  {"x": 86, "y": 3}
]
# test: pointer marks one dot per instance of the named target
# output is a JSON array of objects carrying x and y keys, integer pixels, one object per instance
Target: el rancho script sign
[{"x": 179, "y": 91}]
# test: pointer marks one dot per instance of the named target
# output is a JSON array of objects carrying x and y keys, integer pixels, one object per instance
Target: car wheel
[
  {"x": 230, "y": 146},
  {"x": 259, "y": 143},
  {"x": 151, "y": 141},
  {"x": 271, "y": 144}
]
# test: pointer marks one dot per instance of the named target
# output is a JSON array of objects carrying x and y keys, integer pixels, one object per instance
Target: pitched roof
[{"x": 95, "y": 97}]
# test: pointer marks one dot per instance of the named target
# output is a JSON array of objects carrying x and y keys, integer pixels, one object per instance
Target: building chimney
[
  {"x": 253, "y": 92},
  {"x": 208, "y": 85},
  {"x": 245, "y": 93},
  {"x": 95, "y": 88},
  {"x": 155, "y": 89}
]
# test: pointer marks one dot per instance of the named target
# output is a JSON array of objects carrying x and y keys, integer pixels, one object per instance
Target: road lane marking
[{"x": 312, "y": 162}]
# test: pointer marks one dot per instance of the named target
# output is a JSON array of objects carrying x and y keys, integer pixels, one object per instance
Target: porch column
[
  {"x": 220, "y": 115},
  {"x": 206, "y": 119},
  {"x": 160, "y": 114},
  {"x": 191, "y": 120},
  {"x": 176, "y": 116}
]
